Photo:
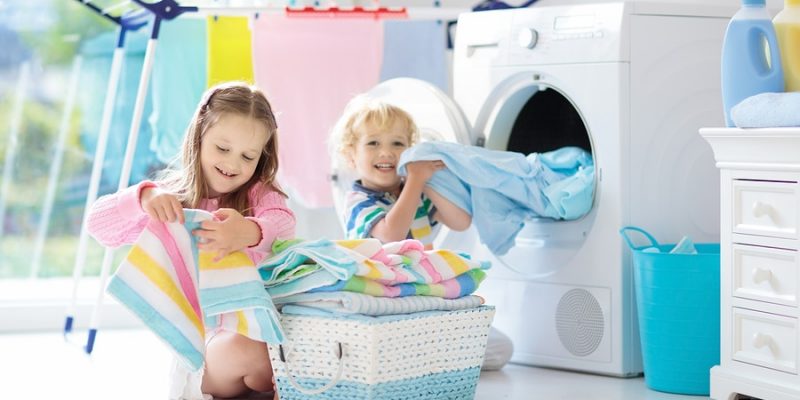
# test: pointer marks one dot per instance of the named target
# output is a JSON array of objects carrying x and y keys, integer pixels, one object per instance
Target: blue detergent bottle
[{"x": 751, "y": 62}]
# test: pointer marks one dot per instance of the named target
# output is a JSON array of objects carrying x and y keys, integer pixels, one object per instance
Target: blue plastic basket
[{"x": 677, "y": 296}]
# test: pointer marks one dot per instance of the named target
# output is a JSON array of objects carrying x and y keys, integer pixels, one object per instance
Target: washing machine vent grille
[{"x": 579, "y": 321}]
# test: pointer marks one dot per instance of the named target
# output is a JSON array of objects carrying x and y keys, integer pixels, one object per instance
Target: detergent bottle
[
  {"x": 787, "y": 27},
  {"x": 751, "y": 62}
]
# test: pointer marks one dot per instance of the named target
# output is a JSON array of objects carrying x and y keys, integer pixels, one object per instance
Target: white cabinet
[{"x": 760, "y": 271}]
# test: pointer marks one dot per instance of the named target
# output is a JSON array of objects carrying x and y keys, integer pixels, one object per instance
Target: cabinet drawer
[
  {"x": 766, "y": 274},
  {"x": 765, "y": 339},
  {"x": 765, "y": 208}
]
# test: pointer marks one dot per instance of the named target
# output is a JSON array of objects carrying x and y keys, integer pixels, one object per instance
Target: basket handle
[
  {"x": 624, "y": 233},
  {"x": 337, "y": 351}
]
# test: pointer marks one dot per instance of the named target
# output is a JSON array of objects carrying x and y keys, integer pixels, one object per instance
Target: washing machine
[{"x": 629, "y": 82}]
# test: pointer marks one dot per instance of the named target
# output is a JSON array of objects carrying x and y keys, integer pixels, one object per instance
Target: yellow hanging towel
[{"x": 230, "y": 50}]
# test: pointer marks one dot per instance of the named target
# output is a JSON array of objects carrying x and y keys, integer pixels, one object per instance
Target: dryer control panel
[{"x": 568, "y": 34}]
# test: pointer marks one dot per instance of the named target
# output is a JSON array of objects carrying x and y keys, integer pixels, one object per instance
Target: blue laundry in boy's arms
[{"x": 502, "y": 189}]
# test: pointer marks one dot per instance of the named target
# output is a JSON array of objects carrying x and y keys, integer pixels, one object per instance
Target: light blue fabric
[
  {"x": 768, "y": 110},
  {"x": 501, "y": 189},
  {"x": 359, "y": 303},
  {"x": 415, "y": 49},
  {"x": 97, "y": 54},
  {"x": 322, "y": 252},
  {"x": 178, "y": 83},
  {"x": 317, "y": 279}
]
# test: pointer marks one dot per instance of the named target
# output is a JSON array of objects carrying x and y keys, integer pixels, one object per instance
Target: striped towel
[
  {"x": 393, "y": 269},
  {"x": 161, "y": 283},
  {"x": 357, "y": 303},
  {"x": 462, "y": 285}
]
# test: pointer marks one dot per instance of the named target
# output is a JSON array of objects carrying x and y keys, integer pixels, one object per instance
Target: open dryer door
[{"x": 436, "y": 115}]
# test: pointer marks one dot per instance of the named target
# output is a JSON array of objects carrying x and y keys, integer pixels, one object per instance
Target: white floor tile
[{"x": 134, "y": 364}]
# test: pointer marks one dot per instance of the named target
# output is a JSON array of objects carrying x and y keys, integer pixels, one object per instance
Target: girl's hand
[
  {"x": 161, "y": 206},
  {"x": 423, "y": 170},
  {"x": 229, "y": 231}
]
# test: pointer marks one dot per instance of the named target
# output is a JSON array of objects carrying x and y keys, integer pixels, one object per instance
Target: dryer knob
[{"x": 527, "y": 38}]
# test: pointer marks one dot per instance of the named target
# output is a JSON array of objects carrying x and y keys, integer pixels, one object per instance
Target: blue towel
[
  {"x": 502, "y": 189},
  {"x": 768, "y": 110},
  {"x": 179, "y": 79},
  {"x": 415, "y": 49}
]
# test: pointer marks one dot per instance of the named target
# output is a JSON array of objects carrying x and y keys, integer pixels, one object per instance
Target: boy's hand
[
  {"x": 228, "y": 232},
  {"x": 423, "y": 170},
  {"x": 160, "y": 205}
]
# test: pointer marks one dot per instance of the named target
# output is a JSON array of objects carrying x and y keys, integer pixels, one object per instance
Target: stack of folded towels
[{"x": 363, "y": 276}]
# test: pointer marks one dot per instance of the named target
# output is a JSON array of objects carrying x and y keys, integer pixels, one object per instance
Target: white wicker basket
[{"x": 428, "y": 355}]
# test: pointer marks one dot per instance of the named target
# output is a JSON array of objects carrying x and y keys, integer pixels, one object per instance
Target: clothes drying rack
[
  {"x": 157, "y": 12},
  {"x": 14, "y": 127}
]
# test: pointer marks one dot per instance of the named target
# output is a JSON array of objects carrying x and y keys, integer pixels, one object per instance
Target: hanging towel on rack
[
  {"x": 230, "y": 53},
  {"x": 97, "y": 55},
  {"x": 415, "y": 49},
  {"x": 179, "y": 79},
  {"x": 309, "y": 69}
]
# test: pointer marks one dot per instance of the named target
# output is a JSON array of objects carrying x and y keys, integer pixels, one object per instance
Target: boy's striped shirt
[{"x": 366, "y": 207}]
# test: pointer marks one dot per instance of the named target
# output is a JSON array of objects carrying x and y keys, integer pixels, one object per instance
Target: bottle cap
[{"x": 754, "y": 2}]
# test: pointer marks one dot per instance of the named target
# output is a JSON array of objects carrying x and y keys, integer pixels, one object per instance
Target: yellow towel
[{"x": 230, "y": 50}]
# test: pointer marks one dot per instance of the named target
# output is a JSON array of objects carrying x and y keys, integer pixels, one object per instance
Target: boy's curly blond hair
[{"x": 365, "y": 111}]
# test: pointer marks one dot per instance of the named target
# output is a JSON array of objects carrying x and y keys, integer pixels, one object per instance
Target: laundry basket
[
  {"x": 677, "y": 296},
  {"x": 427, "y": 355}
]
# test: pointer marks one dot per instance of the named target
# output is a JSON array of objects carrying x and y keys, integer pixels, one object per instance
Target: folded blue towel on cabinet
[{"x": 768, "y": 110}]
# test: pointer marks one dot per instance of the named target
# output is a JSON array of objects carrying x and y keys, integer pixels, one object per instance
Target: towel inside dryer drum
[{"x": 535, "y": 118}]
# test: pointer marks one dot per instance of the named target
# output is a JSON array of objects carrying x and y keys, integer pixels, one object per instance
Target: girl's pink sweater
[{"x": 118, "y": 219}]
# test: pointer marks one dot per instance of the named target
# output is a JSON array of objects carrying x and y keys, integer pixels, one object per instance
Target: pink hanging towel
[{"x": 309, "y": 69}]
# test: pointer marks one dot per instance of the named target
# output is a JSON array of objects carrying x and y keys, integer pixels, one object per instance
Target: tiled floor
[{"x": 133, "y": 364}]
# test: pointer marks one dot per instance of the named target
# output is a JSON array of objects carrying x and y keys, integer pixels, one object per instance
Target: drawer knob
[
  {"x": 761, "y": 209},
  {"x": 760, "y": 340},
  {"x": 762, "y": 275}
]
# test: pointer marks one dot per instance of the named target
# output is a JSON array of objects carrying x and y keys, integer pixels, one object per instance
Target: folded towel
[
  {"x": 402, "y": 268},
  {"x": 357, "y": 303},
  {"x": 180, "y": 293},
  {"x": 767, "y": 110},
  {"x": 460, "y": 286}
]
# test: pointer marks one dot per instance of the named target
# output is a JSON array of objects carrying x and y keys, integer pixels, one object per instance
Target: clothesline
[{"x": 330, "y": 9}]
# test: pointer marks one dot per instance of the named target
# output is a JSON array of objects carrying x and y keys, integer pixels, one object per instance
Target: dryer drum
[{"x": 548, "y": 121}]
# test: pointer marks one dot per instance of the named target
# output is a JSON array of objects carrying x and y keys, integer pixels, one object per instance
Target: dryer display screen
[{"x": 574, "y": 22}]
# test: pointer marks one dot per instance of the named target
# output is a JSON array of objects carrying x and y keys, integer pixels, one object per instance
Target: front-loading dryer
[{"x": 629, "y": 82}]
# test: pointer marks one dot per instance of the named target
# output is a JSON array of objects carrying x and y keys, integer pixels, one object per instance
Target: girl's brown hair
[{"x": 185, "y": 178}]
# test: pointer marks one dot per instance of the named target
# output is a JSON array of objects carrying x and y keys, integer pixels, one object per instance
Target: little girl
[{"x": 228, "y": 166}]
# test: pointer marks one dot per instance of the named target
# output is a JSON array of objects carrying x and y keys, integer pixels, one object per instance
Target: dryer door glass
[{"x": 530, "y": 116}]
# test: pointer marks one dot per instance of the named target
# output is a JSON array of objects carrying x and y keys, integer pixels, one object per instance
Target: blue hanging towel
[
  {"x": 98, "y": 53},
  {"x": 415, "y": 49},
  {"x": 179, "y": 79}
]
